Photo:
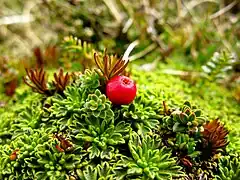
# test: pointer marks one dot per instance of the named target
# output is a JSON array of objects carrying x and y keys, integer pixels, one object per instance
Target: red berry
[{"x": 121, "y": 90}]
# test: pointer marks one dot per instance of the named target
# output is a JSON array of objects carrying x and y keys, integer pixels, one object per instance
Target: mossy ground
[
  {"x": 72, "y": 134},
  {"x": 23, "y": 114},
  {"x": 214, "y": 100}
]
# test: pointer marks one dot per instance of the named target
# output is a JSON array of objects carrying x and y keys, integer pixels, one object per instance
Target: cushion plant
[{"x": 71, "y": 130}]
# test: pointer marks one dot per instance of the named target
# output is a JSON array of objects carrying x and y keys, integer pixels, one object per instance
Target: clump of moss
[{"x": 77, "y": 133}]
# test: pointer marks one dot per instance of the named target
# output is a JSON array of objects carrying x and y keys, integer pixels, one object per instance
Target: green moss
[{"x": 136, "y": 141}]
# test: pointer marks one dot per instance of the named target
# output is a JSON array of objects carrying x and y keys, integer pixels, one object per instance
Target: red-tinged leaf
[{"x": 10, "y": 87}]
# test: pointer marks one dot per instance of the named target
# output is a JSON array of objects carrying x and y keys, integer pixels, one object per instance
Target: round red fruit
[{"x": 121, "y": 90}]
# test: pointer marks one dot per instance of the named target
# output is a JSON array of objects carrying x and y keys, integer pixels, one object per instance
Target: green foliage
[
  {"x": 19, "y": 117},
  {"x": 102, "y": 136},
  {"x": 229, "y": 167},
  {"x": 29, "y": 117},
  {"x": 204, "y": 170},
  {"x": 144, "y": 112},
  {"x": 6, "y": 120},
  {"x": 36, "y": 158},
  {"x": 219, "y": 66},
  {"x": 73, "y": 44},
  {"x": 79, "y": 134},
  {"x": 185, "y": 119},
  {"x": 79, "y": 105},
  {"x": 79, "y": 52},
  {"x": 97, "y": 105},
  {"x": 181, "y": 129},
  {"x": 149, "y": 160},
  {"x": 103, "y": 171},
  {"x": 187, "y": 144},
  {"x": 89, "y": 80}
]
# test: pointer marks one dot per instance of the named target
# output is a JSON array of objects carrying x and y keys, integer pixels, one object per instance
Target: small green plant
[
  {"x": 220, "y": 65},
  {"x": 79, "y": 52},
  {"x": 149, "y": 160},
  {"x": 229, "y": 167}
]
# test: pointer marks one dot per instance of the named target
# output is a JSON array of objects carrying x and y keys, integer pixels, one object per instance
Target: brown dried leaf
[
  {"x": 65, "y": 144},
  {"x": 215, "y": 136},
  {"x": 37, "y": 80},
  {"x": 61, "y": 81},
  {"x": 110, "y": 66},
  {"x": 10, "y": 87}
]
